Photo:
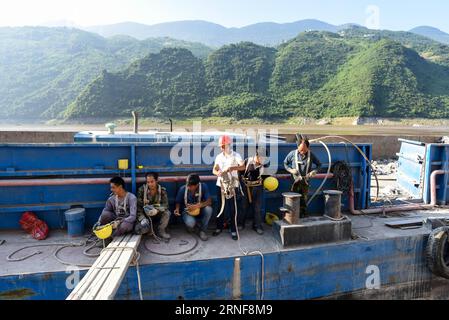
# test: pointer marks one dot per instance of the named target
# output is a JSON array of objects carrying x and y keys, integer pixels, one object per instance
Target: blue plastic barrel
[{"x": 75, "y": 221}]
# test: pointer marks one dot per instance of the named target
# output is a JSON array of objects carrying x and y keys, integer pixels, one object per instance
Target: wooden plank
[
  {"x": 104, "y": 277},
  {"x": 106, "y": 283},
  {"x": 93, "y": 271},
  {"x": 115, "y": 277},
  {"x": 106, "y": 263}
]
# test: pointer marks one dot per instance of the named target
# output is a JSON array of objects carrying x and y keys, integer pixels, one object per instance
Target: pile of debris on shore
[{"x": 389, "y": 189}]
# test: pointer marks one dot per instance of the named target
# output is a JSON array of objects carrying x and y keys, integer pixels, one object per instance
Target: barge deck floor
[{"x": 366, "y": 228}]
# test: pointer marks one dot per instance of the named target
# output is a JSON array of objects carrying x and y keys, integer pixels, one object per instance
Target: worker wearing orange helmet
[{"x": 226, "y": 167}]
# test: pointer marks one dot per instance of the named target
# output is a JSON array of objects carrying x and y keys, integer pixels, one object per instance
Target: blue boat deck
[{"x": 365, "y": 229}]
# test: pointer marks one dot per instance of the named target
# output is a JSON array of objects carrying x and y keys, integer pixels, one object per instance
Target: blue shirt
[{"x": 192, "y": 199}]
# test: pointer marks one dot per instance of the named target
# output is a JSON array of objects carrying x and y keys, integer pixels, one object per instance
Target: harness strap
[
  {"x": 159, "y": 195},
  {"x": 200, "y": 194},
  {"x": 125, "y": 201},
  {"x": 297, "y": 162}
]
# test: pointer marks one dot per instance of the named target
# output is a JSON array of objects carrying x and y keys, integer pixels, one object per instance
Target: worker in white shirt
[{"x": 226, "y": 167}]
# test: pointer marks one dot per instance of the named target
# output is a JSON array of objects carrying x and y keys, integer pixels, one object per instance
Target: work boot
[
  {"x": 190, "y": 230},
  {"x": 164, "y": 234},
  {"x": 259, "y": 230},
  {"x": 234, "y": 236},
  {"x": 203, "y": 236},
  {"x": 217, "y": 232}
]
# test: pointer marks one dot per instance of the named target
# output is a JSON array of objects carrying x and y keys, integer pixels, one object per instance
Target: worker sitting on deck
[
  {"x": 299, "y": 164},
  {"x": 195, "y": 203},
  {"x": 226, "y": 167},
  {"x": 253, "y": 189},
  {"x": 121, "y": 209},
  {"x": 152, "y": 204}
]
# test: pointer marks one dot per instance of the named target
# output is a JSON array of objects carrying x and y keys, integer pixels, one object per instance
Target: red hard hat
[{"x": 224, "y": 140}]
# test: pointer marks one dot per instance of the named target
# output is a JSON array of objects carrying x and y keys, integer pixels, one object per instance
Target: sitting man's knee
[
  {"x": 142, "y": 227},
  {"x": 208, "y": 211},
  {"x": 189, "y": 221},
  {"x": 106, "y": 218}
]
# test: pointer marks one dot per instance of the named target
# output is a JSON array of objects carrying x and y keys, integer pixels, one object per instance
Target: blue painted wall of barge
[
  {"x": 25, "y": 161},
  {"x": 417, "y": 162},
  {"x": 437, "y": 158},
  {"x": 311, "y": 273}
]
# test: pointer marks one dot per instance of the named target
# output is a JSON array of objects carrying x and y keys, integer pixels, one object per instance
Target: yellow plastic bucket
[{"x": 123, "y": 164}]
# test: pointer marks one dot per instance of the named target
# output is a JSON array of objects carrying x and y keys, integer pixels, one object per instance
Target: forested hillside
[{"x": 358, "y": 72}]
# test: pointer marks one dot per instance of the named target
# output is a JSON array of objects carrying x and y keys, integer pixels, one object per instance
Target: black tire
[{"x": 437, "y": 252}]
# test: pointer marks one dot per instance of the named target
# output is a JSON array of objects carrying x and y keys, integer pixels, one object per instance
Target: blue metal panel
[
  {"x": 411, "y": 167},
  {"x": 317, "y": 272},
  {"x": 101, "y": 161},
  {"x": 437, "y": 158}
]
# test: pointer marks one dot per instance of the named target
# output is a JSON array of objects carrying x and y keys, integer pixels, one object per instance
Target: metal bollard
[
  {"x": 292, "y": 206},
  {"x": 332, "y": 204}
]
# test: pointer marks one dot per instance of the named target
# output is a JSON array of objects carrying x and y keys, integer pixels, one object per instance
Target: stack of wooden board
[{"x": 105, "y": 276}]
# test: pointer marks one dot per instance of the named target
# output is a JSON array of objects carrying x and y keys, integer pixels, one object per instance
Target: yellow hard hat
[
  {"x": 195, "y": 212},
  {"x": 270, "y": 218},
  {"x": 103, "y": 232},
  {"x": 271, "y": 184}
]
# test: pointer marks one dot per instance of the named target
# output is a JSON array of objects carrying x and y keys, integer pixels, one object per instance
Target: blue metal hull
[{"x": 312, "y": 273}]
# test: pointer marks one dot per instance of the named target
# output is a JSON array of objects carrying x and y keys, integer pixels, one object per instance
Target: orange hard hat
[{"x": 224, "y": 140}]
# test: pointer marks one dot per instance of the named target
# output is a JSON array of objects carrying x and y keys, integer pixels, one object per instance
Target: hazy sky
[{"x": 394, "y": 15}]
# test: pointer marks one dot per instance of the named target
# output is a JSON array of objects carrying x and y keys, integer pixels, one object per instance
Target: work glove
[
  {"x": 115, "y": 224},
  {"x": 298, "y": 179},
  {"x": 312, "y": 174},
  {"x": 150, "y": 210},
  {"x": 293, "y": 172},
  {"x": 145, "y": 223}
]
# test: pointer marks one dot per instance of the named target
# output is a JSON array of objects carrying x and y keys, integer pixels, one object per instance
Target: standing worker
[
  {"x": 152, "y": 204},
  {"x": 253, "y": 189},
  {"x": 299, "y": 164},
  {"x": 226, "y": 167}
]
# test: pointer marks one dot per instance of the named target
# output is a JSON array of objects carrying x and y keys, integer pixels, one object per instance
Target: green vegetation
[
  {"x": 171, "y": 82},
  {"x": 75, "y": 75},
  {"x": 42, "y": 70}
]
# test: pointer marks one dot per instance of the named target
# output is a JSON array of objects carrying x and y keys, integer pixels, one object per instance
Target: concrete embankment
[{"x": 384, "y": 147}]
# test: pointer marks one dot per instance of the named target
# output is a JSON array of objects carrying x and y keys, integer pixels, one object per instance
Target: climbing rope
[
  {"x": 247, "y": 253},
  {"x": 136, "y": 262},
  {"x": 62, "y": 246},
  {"x": 328, "y": 172},
  {"x": 363, "y": 155},
  {"x": 183, "y": 242}
]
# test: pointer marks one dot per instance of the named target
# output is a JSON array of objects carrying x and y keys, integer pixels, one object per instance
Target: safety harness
[
  {"x": 252, "y": 183},
  {"x": 228, "y": 184},
  {"x": 200, "y": 195},
  {"x": 297, "y": 162},
  {"x": 122, "y": 208},
  {"x": 145, "y": 196},
  {"x": 150, "y": 209}
]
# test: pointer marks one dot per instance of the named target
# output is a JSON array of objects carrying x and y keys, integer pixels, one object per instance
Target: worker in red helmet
[{"x": 226, "y": 167}]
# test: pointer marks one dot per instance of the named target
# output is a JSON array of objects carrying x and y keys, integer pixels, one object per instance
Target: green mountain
[
  {"x": 42, "y": 70},
  {"x": 432, "y": 33},
  {"x": 389, "y": 80},
  {"x": 358, "y": 72},
  {"x": 169, "y": 83},
  {"x": 215, "y": 35}
]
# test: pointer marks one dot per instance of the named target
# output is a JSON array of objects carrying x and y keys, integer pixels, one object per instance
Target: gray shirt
[{"x": 125, "y": 209}]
